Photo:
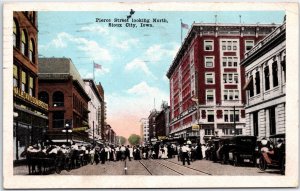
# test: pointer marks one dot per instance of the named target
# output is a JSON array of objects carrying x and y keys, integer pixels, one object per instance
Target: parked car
[
  {"x": 275, "y": 160},
  {"x": 223, "y": 151},
  {"x": 242, "y": 150}
]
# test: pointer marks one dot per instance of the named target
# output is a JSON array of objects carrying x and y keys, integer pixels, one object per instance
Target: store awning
[{"x": 248, "y": 83}]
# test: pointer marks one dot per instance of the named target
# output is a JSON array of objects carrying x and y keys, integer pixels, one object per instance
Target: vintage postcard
[{"x": 150, "y": 95}]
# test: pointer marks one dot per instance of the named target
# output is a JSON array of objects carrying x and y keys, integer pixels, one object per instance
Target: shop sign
[
  {"x": 162, "y": 137},
  {"x": 195, "y": 127},
  {"x": 25, "y": 96},
  {"x": 79, "y": 129}
]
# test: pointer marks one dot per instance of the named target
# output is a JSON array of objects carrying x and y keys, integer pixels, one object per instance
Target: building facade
[
  {"x": 95, "y": 107},
  {"x": 152, "y": 125},
  {"x": 102, "y": 111},
  {"x": 265, "y": 66},
  {"x": 144, "y": 130},
  {"x": 160, "y": 125},
  {"x": 206, "y": 79},
  {"x": 30, "y": 114},
  {"x": 61, "y": 87}
]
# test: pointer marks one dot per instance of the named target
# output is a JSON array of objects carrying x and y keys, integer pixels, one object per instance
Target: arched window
[
  {"x": 58, "y": 99},
  {"x": 24, "y": 43},
  {"x": 44, "y": 97},
  {"x": 31, "y": 51},
  {"x": 16, "y": 33}
]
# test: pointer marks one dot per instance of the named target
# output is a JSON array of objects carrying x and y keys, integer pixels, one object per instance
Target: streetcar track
[
  {"x": 146, "y": 168},
  {"x": 168, "y": 167},
  {"x": 189, "y": 168}
]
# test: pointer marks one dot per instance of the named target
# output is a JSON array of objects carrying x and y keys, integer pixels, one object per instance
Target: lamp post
[{"x": 67, "y": 129}]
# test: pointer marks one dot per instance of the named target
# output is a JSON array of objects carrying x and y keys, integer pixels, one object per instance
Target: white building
[
  {"x": 145, "y": 130},
  {"x": 94, "y": 107},
  {"x": 265, "y": 68}
]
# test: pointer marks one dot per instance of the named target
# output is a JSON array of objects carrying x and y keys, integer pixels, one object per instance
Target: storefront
[{"x": 30, "y": 122}]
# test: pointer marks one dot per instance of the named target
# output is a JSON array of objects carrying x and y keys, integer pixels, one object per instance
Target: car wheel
[{"x": 262, "y": 164}]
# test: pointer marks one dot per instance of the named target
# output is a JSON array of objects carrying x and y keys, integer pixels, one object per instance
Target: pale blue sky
[{"x": 134, "y": 60}]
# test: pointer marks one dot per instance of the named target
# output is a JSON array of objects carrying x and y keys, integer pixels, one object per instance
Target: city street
[{"x": 161, "y": 167}]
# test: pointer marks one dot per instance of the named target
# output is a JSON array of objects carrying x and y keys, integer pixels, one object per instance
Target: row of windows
[
  {"x": 228, "y": 115},
  {"x": 57, "y": 98},
  {"x": 25, "y": 83},
  {"x": 267, "y": 80},
  {"x": 228, "y": 78},
  {"x": 228, "y": 95},
  {"x": 225, "y": 131},
  {"x": 228, "y": 61},
  {"x": 22, "y": 42},
  {"x": 227, "y": 45}
]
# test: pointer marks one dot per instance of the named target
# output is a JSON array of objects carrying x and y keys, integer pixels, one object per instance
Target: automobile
[
  {"x": 242, "y": 150},
  {"x": 213, "y": 146},
  {"x": 223, "y": 150},
  {"x": 275, "y": 160}
]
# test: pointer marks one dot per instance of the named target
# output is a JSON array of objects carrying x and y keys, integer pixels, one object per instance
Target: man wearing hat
[{"x": 185, "y": 149}]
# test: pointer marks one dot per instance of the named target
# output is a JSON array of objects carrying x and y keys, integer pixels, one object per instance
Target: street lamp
[{"x": 67, "y": 129}]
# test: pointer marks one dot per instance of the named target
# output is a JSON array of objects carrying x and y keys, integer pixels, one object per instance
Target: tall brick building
[
  {"x": 61, "y": 86},
  {"x": 30, "y": 114},
  {"x": 206, "y": 68}
]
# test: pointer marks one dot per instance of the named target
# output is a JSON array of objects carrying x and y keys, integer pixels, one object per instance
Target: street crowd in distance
[{"x": 53, "y": 158}]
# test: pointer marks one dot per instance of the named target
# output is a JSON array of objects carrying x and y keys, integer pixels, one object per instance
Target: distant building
[
  {"x": 152, "y": 124},
  {"x": 206, "y": 79},
  {"x": 265, "y": 66},
  {"x": 102, "y": 111},
  {"x": 95, "y": 108},
  {"x": 144, "y": 130},
  {"x": 160, "y": 125},
  {"x": 30, "y": 113},
  {"x": 61, "y": 86}
]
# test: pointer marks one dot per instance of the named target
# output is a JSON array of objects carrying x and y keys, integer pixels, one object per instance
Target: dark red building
[
  {"x": 30, "y": 114},
  {"x": 61, "y": 86},
  {"x": 206, "y": 68}
]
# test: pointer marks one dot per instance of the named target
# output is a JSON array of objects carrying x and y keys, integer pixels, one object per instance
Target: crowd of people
[{"x": 81, "y": 154}]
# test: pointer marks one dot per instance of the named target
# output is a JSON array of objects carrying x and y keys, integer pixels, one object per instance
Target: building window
[
  {"x": 210, "y": 95},
  {"x": 251, "y": 88},
  {"x": 257, "y": 82},
  {"x": 16, "y": 34},
  {"x": 235, "y": 61},
  {"x": 223, "y": 45},
  {"x": 231, "y": 95},
  {"x": 224, "y": 61},
  {"x": 267, "y": 76},
  {"x": 31, "y": 51},
  {"x": 16, "y": 76},
  {"x": 283, "y": 68},
  {"x": 275, "y": 73},
  {"x": 230, "y": 78},
  {"x": 248, "y": 45},
  {"x": 230, "y": 62},
  {"x": 44, "y": 97},
  {"x": 58, "y": 99},
  {"x": 234, "y": 45},
  {"x": 208, "y": 45},
  {"x": 209, "y": 78},
  {"x": 210, "y": 116},
  {"x": 24, "y": 43},
  {"x": 24, "y": 81},
  {"x": 229, "y": 45},
  {"x": 209, "y": 132},
  {"x": 209, "y": 62},
  {"x": 229, "y": 115},
  {"x": 58, "y": 119},
  {"x": 31, "y": 87},
  {"x": 255, "y": 123},
  {"x": 272, "y": 118},
  {"x": 238, "y": 131}
]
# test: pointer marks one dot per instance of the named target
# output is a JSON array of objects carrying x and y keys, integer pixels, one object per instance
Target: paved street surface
[{"x": 160, "y": 167}]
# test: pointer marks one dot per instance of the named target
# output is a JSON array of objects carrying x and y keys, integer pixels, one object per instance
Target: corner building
[
  {"x": 206, "y": 68},
  {"x": 30, "y": 114},
  {"x": 61, "y": 86},
  {"x": 265, "y": 66}
]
